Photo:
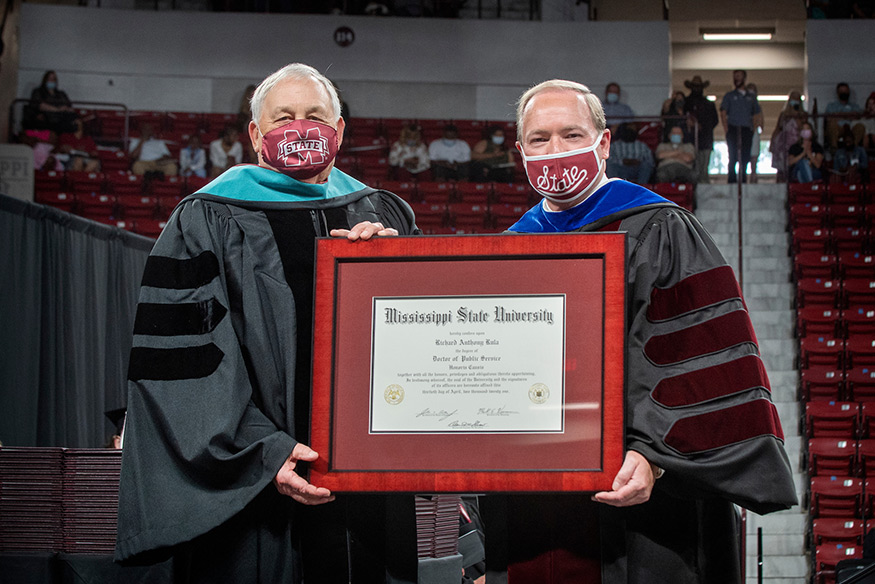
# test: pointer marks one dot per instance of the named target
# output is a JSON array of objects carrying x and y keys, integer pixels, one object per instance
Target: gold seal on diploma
[
  {"x": 539, "y": 393},
  {"x": 394, "y": 394}
]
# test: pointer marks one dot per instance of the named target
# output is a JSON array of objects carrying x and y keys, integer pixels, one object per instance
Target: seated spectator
[
  {"x": 150, "y": 154},
  {"x": 225, "y": 151},
  {"x": 192, "y": 158},
  {"x": 81, "y": 149},
  {"x": 850, "y": 164},
  {"x": 44, "y": 144},
  {"x": 675, "y": 159},
  {"x": 50, "y": 108},
  {"x": 805, "y": 157},
  {"x": 786, "y": 133},
  {"x": 408, "y": 156},
  {"x": 244, "y": 116},
  {"x": 616, "y": 113},
  {"x": 673, "y": 115},
  {"x": 843, "y": 113},
  {"x": 868, "y": 122},
  {"x": 630, "y": 158},
  {"x": 449, "y": 156},
  {"x": 492, "y": 159}
]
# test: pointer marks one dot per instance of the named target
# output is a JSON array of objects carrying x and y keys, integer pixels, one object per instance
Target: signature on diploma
[
  {"x": 499, "y": 411},
  {"x": 440, "y": 414},
  {"x": 461, "y": 424}
]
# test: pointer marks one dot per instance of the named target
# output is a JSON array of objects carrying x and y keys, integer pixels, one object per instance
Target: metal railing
[{"x": 85, "y": 108}]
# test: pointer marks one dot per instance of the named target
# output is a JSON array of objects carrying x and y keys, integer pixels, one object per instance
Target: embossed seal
[
  {"x": 539, "y": 393},
  {"x": 394, "y": 394}
]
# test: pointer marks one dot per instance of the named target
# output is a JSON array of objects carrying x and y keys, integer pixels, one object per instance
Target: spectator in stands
[
  {"x": 192, "y": 158},
  {"x": 491, "y": 158},
  {"x": 849, "y": 163},
  {"x": 702, "y": 115},
  {"x": 408, "y": 156},
  {"x": 630, "y": 158},
  {"x": 244, "y": 114},
  {"x": 805, "y": 158},
  {"x": 786, "y": 132},
  {"x": 740, "y": 113},
  {"x": 225, "y": 151},
  {"x": 449, "y": 156},
  {"x": 616, "y": 113},
  {"x": 841, "y": 113},
  {"x": 868, "y": 122},
  {"x": 675, "y": 159},
  {"x": 50, "y": 108},
  {"x": 44, "y": 143},
  {"x": 81, "y": 149},
  {"x": 673, "y": 115},
  {"x": 150, "y": 153}
]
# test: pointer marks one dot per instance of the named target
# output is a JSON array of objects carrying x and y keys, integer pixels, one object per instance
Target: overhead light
[{"x": 737, "y": 34}]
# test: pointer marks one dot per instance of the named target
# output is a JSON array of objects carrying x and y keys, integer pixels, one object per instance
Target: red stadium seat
[
  {"x": 503, "y": 216},
  {"x": 867, "y": 404},
  {"x": 860, "y": 385},
  {"x": 818, "y": 292},
  {"x": 149, "y": 227},
  {"x": 822, "y": 383},
  {"x": 860, "y": 351},
  {"x": 859, "y": 321},
  {"x": 811, "y": 193},
  {"x": 86, "y": 183},
  {"x": 436, "y": 192},
  {"x": 513, "y": 193},
  {"x": 831, "y": 456},
  {"x": 842, "y": 194},
  {"x": 124, "y": 184},
  {"x": 48, "y": 180},
  {"x": 63, "y": 201},
  {"x": 816, "y": 320},
  {"x": 866, "y": 457},
  {"x": 97, "y": 206},
  {"x": 821, "y": 350},
  {"x": 857, "y": 265},
  {"x": 847, "y": 216},
  {"x": 827, "y": 556},
  {"x": 474, "y": 192},
  {"x": 809, "y": 264},
  {"x": 834, "y": 530},
  {"x": 831, "y": 419},
  {"x": 471, "y": 217},
  {"x": 184, "y": 123},
  {"x": 405, "y": 189},
  {"x": 813, "y": 239},
  {"x": 137, "y": 206},
  {"x": 836, "y": 496},
  {"x": 808, "y": 215},
  {"x": 859, "y": 292},
  {"x": 429, "y": 216},
  {"x": 214, "y": 123},
  {"x": 138, "y": 118},
  {"x": 850, "y": 240},
  {"x": 113, "y": 160}
]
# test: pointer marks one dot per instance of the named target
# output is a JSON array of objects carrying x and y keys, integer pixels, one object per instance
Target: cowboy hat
[{"x": 696, "y": 81}]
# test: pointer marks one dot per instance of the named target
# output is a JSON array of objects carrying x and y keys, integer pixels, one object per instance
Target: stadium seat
[
  {"x": 860, "y": 385},
  {"x": 124, "y": 184},
  {"x": 503, "y": 216},
  {"x": 850, "y": 240},
  {"x": 822, "y": 383},
  {"x": 810, "y": 264},
  {"x": 859, "y": 321},
  {"x": 86, "y": 183},
  {"x": 810, "y": 193},
  {"x": 827, "y": 556},
  {"x": 831, "y": 456},
  {"x": 847, "y": 216},
  {"x": 60, "y": 200},
  {"x": 813, "y": 239},
  {"x": 149, "y": 227},
  {"x": 816, "y": 320},
  {"x": 429, "y": 216},
  {"x": 470, "y": 217},
  {"x": 821, "y": 350},
  {"x": 818, "y": 292},
  {"x": 866, "y": 457},
  {"x": 832, "y": 419},
  {"x": 214, "y": 123},
  {"x": 513, "y": 193},
  {"x": 857, "y": 265},
  {"x": 860, "y": 351},
  {"x": 184, "y": 123},
  {"x": 808, "y": 215},
  {"x": 48, "y": 180},
  {"x": 834, "y": 530},
  {"x": 436, "y": 192},
  {"x": 96, "y": 206},
  {"x": 474, "y": 192},
  {"x": 113, "y": 160},
  {"x": 842, "y": 194},
  {"x": 867, "y": 405},
  {"x": 140, "y": 206},
  {"x": 836, "y": 496},
  {"x": 138, "y": 118},
  {"x": 405, "y": 189}
]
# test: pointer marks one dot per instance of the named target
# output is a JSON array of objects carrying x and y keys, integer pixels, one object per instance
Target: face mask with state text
[
  {"x": 565, "y": 176},
  {"x": 300, "y": 149}
]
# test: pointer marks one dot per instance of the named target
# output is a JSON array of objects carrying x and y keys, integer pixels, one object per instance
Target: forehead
[
  {"x": 298, "y": 95},
  {"x": 562, "y": 106},
  {"x": 676, "y": 130}
]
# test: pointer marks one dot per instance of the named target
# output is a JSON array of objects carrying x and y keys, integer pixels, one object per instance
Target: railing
[{"x": 16, "y": 115}]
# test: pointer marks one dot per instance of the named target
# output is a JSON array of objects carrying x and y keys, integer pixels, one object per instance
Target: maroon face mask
[{"x": 301, "y": 149}]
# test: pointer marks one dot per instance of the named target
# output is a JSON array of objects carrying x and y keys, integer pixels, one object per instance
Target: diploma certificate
[{"x": 468, "y": 364}]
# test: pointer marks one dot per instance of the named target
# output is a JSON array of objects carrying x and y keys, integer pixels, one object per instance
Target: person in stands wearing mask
[
  {"x": 692, "y": 366},
  {"x": 491, "y": 158},
  {"x": 449, "y": 155},
  {"x": 805, "y": 157},
  {"x": 218, "y": 405},
  {"x": 702, "y": 120},
  {"x": 843, "y": 113},
  {"x": 675, "y": 159},
  {"x": 740, "y": 114},
  {"x": 50, "y": 108},
  {"x": 786, "y": 133},
  {"x": 616, "y": 113}
]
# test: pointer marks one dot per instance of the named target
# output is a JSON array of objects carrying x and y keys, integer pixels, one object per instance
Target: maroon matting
[{"x": 588, "y": 269}]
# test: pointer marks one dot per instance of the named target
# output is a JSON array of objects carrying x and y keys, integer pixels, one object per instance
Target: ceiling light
[
  {"x": 761, "y": 97},
  {"x": 737, "y": 34}
]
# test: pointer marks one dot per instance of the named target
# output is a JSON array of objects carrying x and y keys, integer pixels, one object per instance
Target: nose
[{"x": 554, "y": 146}]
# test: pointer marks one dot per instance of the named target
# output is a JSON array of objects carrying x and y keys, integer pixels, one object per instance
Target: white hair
[
  {"x": 596, "y": 111},
  {"x": 293, "y": 71}
]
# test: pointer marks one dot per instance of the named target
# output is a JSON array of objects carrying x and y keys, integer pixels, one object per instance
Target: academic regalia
[
  {"x": 220, "y": 385},
  {"x": 698, "y": 405}
]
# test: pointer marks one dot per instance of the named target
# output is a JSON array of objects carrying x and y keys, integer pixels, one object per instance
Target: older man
[
  {"x": 218, "y": 408},
  {"x": 701, "y": 430}
]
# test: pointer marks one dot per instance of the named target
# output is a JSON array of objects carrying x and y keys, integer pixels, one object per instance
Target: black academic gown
[
  {"x": 698, "y": 405},
  {"x": 220, "y": 385}
]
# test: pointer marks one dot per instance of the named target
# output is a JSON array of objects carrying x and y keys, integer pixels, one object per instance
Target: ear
[
  {"x": 255, "y": 138},
  {"x": 604, "y": 148},
  {"x": 341, "y": 126},
  {"x": 518, "y": 146}
]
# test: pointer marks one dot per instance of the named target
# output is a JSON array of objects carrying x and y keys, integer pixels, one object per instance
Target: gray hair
[
  {"x": 293, "y": 71},
  {"x": 596, "y": 111}
]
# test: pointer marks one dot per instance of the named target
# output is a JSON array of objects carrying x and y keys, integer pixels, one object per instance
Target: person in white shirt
[
  {"x": 225, "y": 151},
  {"x": 192, "y": 158},
  {"x": 449, "y": 156},
  {"x": 150, "y": 154}
]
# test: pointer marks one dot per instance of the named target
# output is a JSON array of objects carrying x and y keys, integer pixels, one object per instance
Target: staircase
[{"x": 769, "y": 294}]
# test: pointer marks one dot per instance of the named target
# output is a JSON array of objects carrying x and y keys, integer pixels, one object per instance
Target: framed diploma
[{"x": 469, "y": 363}]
